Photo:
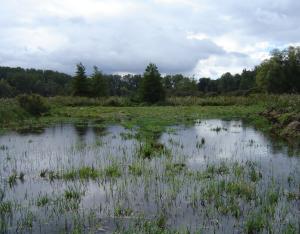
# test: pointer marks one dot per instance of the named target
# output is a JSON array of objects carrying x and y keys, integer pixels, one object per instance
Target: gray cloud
[{"x": 196, "y": 37}]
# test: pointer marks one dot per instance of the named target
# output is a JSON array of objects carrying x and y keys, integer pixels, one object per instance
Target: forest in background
[{"x": 278, "y": 74}]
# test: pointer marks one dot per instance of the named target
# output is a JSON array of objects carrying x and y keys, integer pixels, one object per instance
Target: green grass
[
  {"x": 119, "y": 211},
  {"x": 173, "y": 169},
  {"x": 42, "y": 201},
  {"x": 290, "y": 229},
  {"x": 113, "y": 171},
  {"x": 241, "y": 189},
  {"x": 255, "y": 175},
  {"x": 5, "y": 207},
  {"x": 51, "y": 175},
  {"x": 82, "y": 173},
  {"x": 255, "y": 223},
  {"x": 72, "y": 194},
  {"x": 151, "y": 148},
  {"x": 152, "y": 120},
  {"x": 12, "y": 179},
  {"x": 136, "y": 169},
  {"x": 11, "y": 112},
  {"x": 27, "y": 221}
]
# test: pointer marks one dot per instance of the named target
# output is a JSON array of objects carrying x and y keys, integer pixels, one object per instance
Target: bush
[
  {"x": 10, "y": 111},
  {"x": 6, "y": 91},
  {"x": 113, "y": 101},
  {"x": 34, "y": 104},
  {"x": 85, "y": 101}
]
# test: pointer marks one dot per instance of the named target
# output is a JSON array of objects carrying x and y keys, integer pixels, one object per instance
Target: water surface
[{"x": 167, "y": 183}]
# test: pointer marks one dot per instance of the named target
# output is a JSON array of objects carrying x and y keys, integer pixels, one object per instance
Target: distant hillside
[{"x": 14, "y": 81}]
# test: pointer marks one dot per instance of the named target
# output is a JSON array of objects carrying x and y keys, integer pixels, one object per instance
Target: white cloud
[
  {"x": 201, "y": 37},
  {"x": 214, "y": 66}
]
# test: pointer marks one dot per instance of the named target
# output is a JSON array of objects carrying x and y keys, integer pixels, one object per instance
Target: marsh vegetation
[{"x": 85, "y": 177}]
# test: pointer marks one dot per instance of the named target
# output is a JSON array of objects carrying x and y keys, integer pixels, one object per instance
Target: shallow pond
[{"x": 213, "y": 177}]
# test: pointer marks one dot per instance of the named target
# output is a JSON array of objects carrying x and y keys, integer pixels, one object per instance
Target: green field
[{"x": 155, "y": 118}]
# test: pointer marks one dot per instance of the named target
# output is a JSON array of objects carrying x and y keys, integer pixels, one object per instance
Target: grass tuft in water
[
  {"x": 136, "y": 169},
  {"x": 5, "y": 207},
  {"x": 119, "y": 211},
  {"x": 175, "y": 168},
  {"x": 255, "y": 223},
  {"x": 254, "y": 175},
  {"x": 42, "y": 201},
  {"x": 113, "y": 171},
  {"x": 72, "y": 194},
  {"x": 152, "y": 149},
  {"x": 83, "y": 173},
  {"x": 12, "y": 179}
]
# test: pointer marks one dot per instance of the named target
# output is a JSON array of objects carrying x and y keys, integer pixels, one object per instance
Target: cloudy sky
[{"x": 194, "y": 37}]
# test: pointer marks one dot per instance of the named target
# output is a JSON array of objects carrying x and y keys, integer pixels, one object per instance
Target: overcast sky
[{"x": 194, "y": 37}]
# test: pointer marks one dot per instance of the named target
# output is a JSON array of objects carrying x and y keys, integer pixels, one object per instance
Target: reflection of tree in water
[
  {"x": 279, "y": 145},
  {"x": 226, "y": 124},
  {"x": 99, "y": 130},
  {"x": 81, "y": 129},
  {"x": 36, "y": 130}
]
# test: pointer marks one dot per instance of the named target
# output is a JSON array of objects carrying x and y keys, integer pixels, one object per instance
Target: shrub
[
  {"x": 11, "y": 111},
  {"x": 113, "y": 101},
  {"x": 34, "y": 104}
]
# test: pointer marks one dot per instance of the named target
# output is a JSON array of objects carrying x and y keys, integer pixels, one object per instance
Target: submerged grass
[
  {"x": 136, "y": 169},
  {"x": 5, "y": 207},
  {"x": 112, "y": 171},
  {"x": 82, "y": 173},
  {"x": 72, "y": 194},
  {"x": 42, "y": 201}
]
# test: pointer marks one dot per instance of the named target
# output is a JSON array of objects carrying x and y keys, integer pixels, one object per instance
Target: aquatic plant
[
  {"x": 255, "y": 223},
  {"x": 12, "y": 179},
  {"x": 174, "y": 168},
  {"x": 112, "y": 171},
  {"x": 72, "y": 194},
  {"x": 5, "y": 207},
  {"x": 136, "y": 169},
  {"x": 42, "y": 201},
  {"x": 120, "y": 211}
]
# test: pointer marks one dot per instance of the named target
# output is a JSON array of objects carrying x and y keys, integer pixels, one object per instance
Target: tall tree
[
  {"x": 151, "y": 87},
  {"x": 247, "y": 79},
  {"x": 99, "y": 86},
  {"x": 203, "y": 84},
  {"x": 228, "y": 82},
  {"x": 280, "y": 73},
  {"x": 6, "y": 90},
  {"x": 80, "y": 83}
]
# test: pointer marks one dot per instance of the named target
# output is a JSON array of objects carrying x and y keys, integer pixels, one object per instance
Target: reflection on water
[
  {"x": 68, "y": 147},
  {"x": 227, "y": 140}
]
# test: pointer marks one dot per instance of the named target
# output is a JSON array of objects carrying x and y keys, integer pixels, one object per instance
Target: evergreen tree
[
  {"x": 99, "y": 85},
  {"x": 151, "y": 87},
  {"x": 80, "y": 83},
  {"x": 6, "y": 90}
]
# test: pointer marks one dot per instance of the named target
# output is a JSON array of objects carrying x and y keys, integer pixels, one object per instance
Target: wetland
[{"x": 212, "y": 175}]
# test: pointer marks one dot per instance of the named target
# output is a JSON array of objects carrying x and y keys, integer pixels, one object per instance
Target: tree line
[{"x": 278, "y": 74}]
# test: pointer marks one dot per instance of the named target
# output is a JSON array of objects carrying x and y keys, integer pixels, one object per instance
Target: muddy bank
[{"x": 284, "y": 123}]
